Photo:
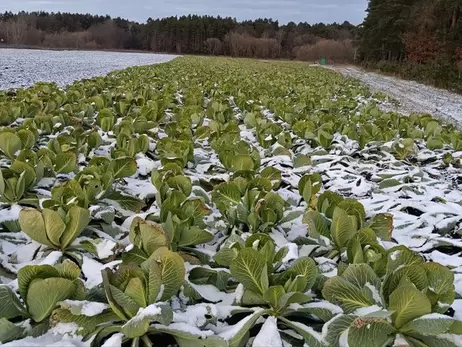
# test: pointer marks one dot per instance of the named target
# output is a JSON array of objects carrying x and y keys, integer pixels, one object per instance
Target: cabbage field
[{"x": 210, "y": 202}]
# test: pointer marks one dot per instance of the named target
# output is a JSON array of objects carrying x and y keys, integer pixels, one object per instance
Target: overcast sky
[{"x": 311, "y": 11}]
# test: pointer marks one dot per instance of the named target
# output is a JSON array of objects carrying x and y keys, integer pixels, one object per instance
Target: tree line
[
  {"x": 421, "y": 39},
  {"x": 260, "y": 38}
]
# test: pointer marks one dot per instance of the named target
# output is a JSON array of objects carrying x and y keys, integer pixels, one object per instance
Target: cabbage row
[{"x": 220, "y": 202}]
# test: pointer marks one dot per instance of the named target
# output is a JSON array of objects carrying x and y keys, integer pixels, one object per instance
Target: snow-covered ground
[
  {"x": 22, "y": 67},
  {"x": 412, "y": 96}
]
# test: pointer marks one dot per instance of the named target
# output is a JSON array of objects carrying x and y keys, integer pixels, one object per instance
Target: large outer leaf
[
  {"x": 194, "y": 236},
  {"x": 335, "y": 328},
  {"x": 29, "y": 177},
  {"x": 415, "y": 273},
  {"x": 11, "y": 307},
  {"x": 274, "y": 175},
  {"x": 136, "y": 291},
  {"x": 371, "y": 332},
  {"x": 154, "y": 280},
  {"x": 354, "y": 208},
  {"x": 431, "y": 324},
  {"x": 194, "y": 208},
  {"x": 382, "y": 225},
  {"x": 118, "y": 310},
  {"x": 307, "y": 268},
  {"x": 317, "y": 224},
  {"x": 147, "y": 236},
  {"x": 248, "y": 268},
  {"x": 9, "y": 331},
  {"x": 360, "y": 275},
  {"x": 123, "y": 167},
  {"x": 32, "y": 223},
  {"x": 126, "y": 202},
  {"x": 65, "y": 162},
  {"x": 182, "y": 183},
  {"x": 351, "y": 290},
  {"x": 226, "y": 195},
  {"x": 408, "y": 303},
  {"x": 76, "y": 220},
  {"x": 441, "y": 290},
  {"x": 312, "y": 338},
  {"x": 242, "y": 163},
  {"x": 44, "y": 294},
  {"x": 10, "y": 143},
  {"x": 342, "y": 229},
  {"x": 400, "y": 256},
  {"x": 172, "y": 271},
  {"x": 123, "y": 301},
  {"x": 273, "y": 295},
  {"x": 29, "y": 272},
  {"x": 435, "y": 341},
  {"x": 54, "y": 226}
]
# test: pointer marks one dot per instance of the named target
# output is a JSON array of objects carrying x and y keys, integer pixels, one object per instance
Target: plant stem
[{"x": 146, "y": 341}]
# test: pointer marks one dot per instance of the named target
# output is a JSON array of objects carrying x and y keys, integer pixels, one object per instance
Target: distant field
[
  {"x": 222, "y": 203},
  {"x": 23, "y": 67}
]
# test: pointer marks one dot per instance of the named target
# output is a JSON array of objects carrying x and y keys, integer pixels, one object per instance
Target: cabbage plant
[
  {"x": 137, "y": 298},
  {"x": 41, "y": 288},
  {"x": 54, "y": 229},
  {"x": 407, "y": 306}
]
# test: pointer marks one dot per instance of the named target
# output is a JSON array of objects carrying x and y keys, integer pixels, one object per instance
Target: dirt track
[{"x": 413, "y": 96}]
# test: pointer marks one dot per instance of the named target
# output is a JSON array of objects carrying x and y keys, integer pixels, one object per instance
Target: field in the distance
[
  {"x": 221, "y": 202},
  {"x": 20, "y": 68}
]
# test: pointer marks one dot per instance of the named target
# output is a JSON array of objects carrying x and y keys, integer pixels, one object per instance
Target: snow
[
  {"x": 92, "y": 271},
  {"x": 446, "y": 260},
  {"x": 375, "y": 293},
  {"x": 268, "y": 335},
  {"x": 239, "y": 293},
  {"x": 147, "y": 312},
  {"x": 195, "y": 315},
  {"x": 9, "y": 214},
  {"x": 86, "y": 308},
  {"x": 52, "y": 258},
  {"x": 140, "y": 188},
  {"x": 434, "y": 316},
  {"x": 292, "y": 254},
  {"x": 146, "y": 165},
  {"x": 324, "y": 305},
  {"x": 364, "y": 311},
  {"x": 59, "y": 336},
  {"x": 114, "y": 341},
  {"x": 183, "y": 327},
  {"x": 234, "y": 329},
  {"x": 212, "y": 293},
  {"x": 161, "y": 292},
  {"x": 343, "y": 340},
  {"x": 430, "y": 188},
  {"x": 457, "y": 306},
  {"x": 105, "y": 248},
  {"x": 26, "y": 67}
]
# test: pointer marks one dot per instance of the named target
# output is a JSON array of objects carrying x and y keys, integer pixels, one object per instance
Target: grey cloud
[{"x": 311, "y": 11}]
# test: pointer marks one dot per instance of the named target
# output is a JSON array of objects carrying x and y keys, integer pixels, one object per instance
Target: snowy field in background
[{"x": 23, "y": 67}]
